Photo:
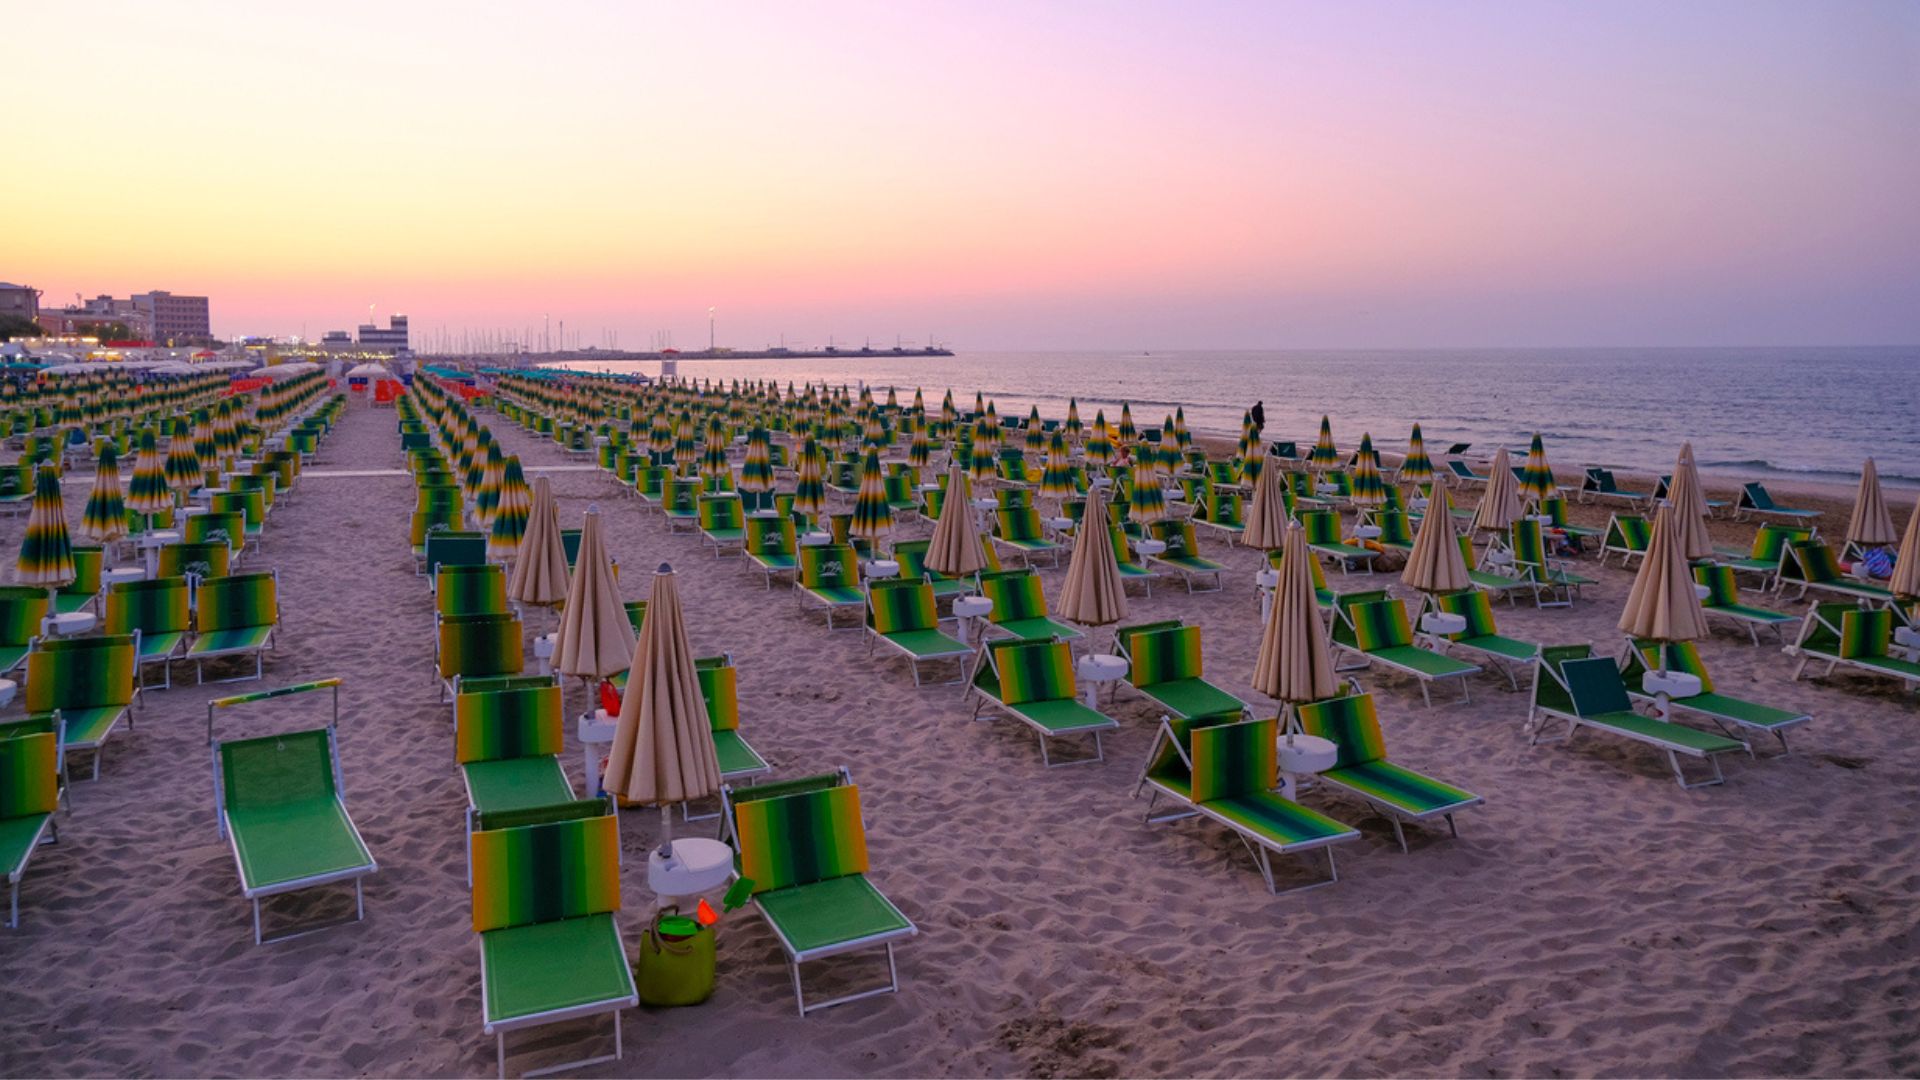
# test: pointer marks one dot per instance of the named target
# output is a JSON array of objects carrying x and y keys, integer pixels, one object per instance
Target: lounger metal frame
[{"x": 1536, "y": 735}]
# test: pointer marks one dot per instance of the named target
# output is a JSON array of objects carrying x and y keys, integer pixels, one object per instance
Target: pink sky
[{"x": 997, "y": 175}]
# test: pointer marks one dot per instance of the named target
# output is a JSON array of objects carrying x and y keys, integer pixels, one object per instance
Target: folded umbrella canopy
[
  {"x": 955, "y": 549},
  {"x": 1149, "y": 501},
  {"x": 183, "y": 467},
  {"x": 1536, "y": 476},
  {"x": 148, "y": 493},
  {"x": 1906, "y": 567},
  {"x": 1418, "y": 467},
  {"x": 1871, "y": 526},
  {"x": 981, "y": 461},
  {"x": 1690, "y": 506},
  {"x": 595, "y": 639},
  {"x": 920, "y": 448},
  {"x": 1094, "y": 594},
  {"x": 809, "y": 488},
  {"x": 1073, "y": 427},
  {"x": 1266, "y": 527},
  {"x": 1325, "y": 454},
  {"x": 713, "y": 459},
  {"x": 1057, "y": 480},
  {"x": 539, "y": 575},
  {"x": 1369, "y": 489},
  {"x": 510, "y": 513},
  {"x": 1500, "y": 503},
  {"x": 1128, "y": 436},
  {"x": 1663, "y": 606},
  {"x": 1295, "y": 663},
  {"x": 105, "y": 518},
  {"x": 1435, "y": 565},
  {"x": 1100, "y": 443},
  {"x": 872, "y": 516},
  {"x": 46, "y": 552}
]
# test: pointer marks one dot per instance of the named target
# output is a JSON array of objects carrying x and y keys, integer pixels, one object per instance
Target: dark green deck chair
[
  {"x": 1500, "y": 584},
  {"x": 1598, "y": 483},
  {"x": 1838, "y": 633},
  {"x": 1362, "y": 769},
  {"x": 1033, "y": 682},
  {"x": 546, "y": 890},
  {"x": 1810, "y": 564},
  {"x": 470, "y": 589},
  {"x": 234, "y": 616},
  {"x": 1020, "y": 607},
  {"x": 84, "y": 590},
  {"x": 22, "y": 609},
  {"x": 508, "y": 743},
  {"x": 722, "y": 524},
  {"x": 1482, "y": 636},
  {"x": 159, "y": 611},
  {"x": 1374, "y": 628},
  {"x": 454, "y": 548},
  {"x": 476, "y": 646},
  {"x": 1020, "y": 529},
  {"x": 1754, "y": 501},
  {"x": 1572, "y": 685},
  {"x": 1182, "y": 555},
  {"x": 30, "y": 786},
  {"x": 1728, "y": 713},
  {"x": 1323, "y": 538},
  {"x": 424, "y": 522},
  {"x": 1235, "y": 769},
  {"x": 1723, "y": 600},
  {"x": 281, "y": 809},
  {"x": 1628, "y": 536},
  {"x": 830, "y": 576},
  {"x": 1166, "y": 666},
  {"x": 86, "y": 685},
  {"x": 902, "y": 614}
]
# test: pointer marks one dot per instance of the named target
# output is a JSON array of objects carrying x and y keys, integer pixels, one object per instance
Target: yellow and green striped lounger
[
  {"x": 85, "y": 685},
  {"x": 1499, "y": 584},
  {"x": 1169, "y": 769},
  {"x": 1723, "y": 598},
  {"x": 546, "y": 888},
  {"x": 22, "y": 609},
  {"x": 1020, "y": 607},
  {"x": 1482, "y": 636},
  {"x": 476, "y": 647},
  {"x": 234, "y": 616},
  {"x": 1572, "y": 685},
  {"x": 1019, "y": 528},
  {"x": 30, "y": 772},
  {"x": 1553, "y": 584},
  {"x": 680, "y": 503},
  {"x": 280, "y": 807},
  {"x": 806, "y": 854},
  {"x": 771, "y": 544},
  {"x": 1235, "y": 769},
  {"x": 1374, "y": 627},
  {"x": 1222, "y": 511},
  {"x": 1810, "y": 564},
  {"x": 1323, "y": 538},
  {"x": 719, "y": 685},
  {"x": 1362, "y": 768},
  {"x": 470, "y": 590},
  {"x": 1166, "y": 666},
  {"x": 508, "y": 744},
  {"x": 1769, "y": 550},
  {"x": 84, "y": 590},
  {"x": 1033, "y": 682},
  {"x": 830, "y": 576},
  {"x": 1628, "y": 536},
  {"x": 722, "y": 524},
  {"x": 901, "y": 613},
  {"x": 156, "y": 610},
  {"x": 1182, "y": 555},
  {"x": 1837, "y": 633},
  {"x": 1683, "y": 656},
  {"x": 912, "y": 557}
]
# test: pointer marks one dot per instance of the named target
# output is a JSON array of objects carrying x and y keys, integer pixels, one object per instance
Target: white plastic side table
[
  {"x": 1097, "y": 668},
  {"x": 595, "y": 731},
  {"x": 543, "y": 651},
  {"x": 1908, "y": 638},
  {"x": 697, "y": 866},
  {"x": 8, "y": 688},
  {"x": 69, "y": 623},
  {"x": 1367, "y": 532},
  {"x": 1150, "y": 547},
  {"x": 1667, "y": 685},
  {"x": 880, "y": 569},
  {"x": 1702, "y": 591},
  {"x": 815, "y": 539},
  {"x": 122, "y": 573},
  {"x": 1301, "y": 756},
  {"x": 968, "y": 608},
  {"x": 1266, "y": 581},
  {"x": 1439, "y": 624}
]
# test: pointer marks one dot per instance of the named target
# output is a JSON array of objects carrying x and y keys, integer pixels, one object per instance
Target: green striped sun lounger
[
  {"x": 1373, "y": 627},
  {"x": 470, "y": 590},
  {"x": 1628, "y": 536},
  {"x": 1463, "y": 474},
  {"x": 157, "y": 610},
  {"x": 722, "y": 524},
  {"x": 1754, "y": 501},
  {"x": 1584, "y": 691},
  {"x": 85, "y": 686},
  {"x": 234, "y": 616},
  {"x": 281, "y": 809},
  {"x": 1768, "y": 550},
  {"x": 1556, "y": 510},
  {"x": 1362, "y": 768},
  {"x": 1482, "y": 636},
  {"x": 901, "y": 613},
  {"x": 1323, "y": 538},
  {"x": 912, "y": 557},
  {"x": 1169, "y": 769},
  {"x": 681, "y": 504},
  {"x": 771, "y": 545},
  {"x": 476, "y": 647},
  {"x": 1837, "y": 633},
  {"x": 1235, "y": 768},
  {"x": 1723, "y": 599},
  {"x": 1810, "y": 564},
  {"x": 720, "y": 688},
  {"x": 1033, "y": 682},
  {"x": 805, "y": 852},
  {"x": 30, "y": 787},
  {"x": 1396, "y": 531},
  {"x": 1020, "y": 607},
  {"x": 1499, "y": 584},
  {"x": 1599, "y": 484},
  {"x": 1020, "y": 529},
  {"x": 1165, "y": 664},
  {"x": 1221, "y": 511},
  {"x": 84, "y": 590},
  {"x": 22, "y": 609},
  {"x": 1553, "y": 584},
  {"x": 830, "y": 577},
  {"x": 1182, "y": 555},
  {"x": 451, "y": 548},
  {"x": 508, "y": 743},
  {"x": 546, "y": 890},
  {"x": 1132, "y": 566},
  {"x": 1726, "y": 712}
]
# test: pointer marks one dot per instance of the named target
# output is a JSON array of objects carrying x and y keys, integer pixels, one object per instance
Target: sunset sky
[{"x": 1000, "y": 175}]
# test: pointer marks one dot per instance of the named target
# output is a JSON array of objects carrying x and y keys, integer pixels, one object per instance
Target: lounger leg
[
  {"x": 13, "y": 907},
  {"x": 800, "y": 998},
  {"x": 1452, "y": 827},
  {"x": 256, "y": 921},
  {"x": 1399, "y": 833},
  {"x": 1801, "y": 667},
  {"x": 500, "y": 1052},
  {"x": 1425, "y": 694}
]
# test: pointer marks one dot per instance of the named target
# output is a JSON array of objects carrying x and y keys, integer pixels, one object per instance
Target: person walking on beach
[{"x": 1259, "y": 414}]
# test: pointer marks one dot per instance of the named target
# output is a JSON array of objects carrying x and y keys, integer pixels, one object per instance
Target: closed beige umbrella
[
  {"x": 1435, "y": 565},
  {"x": 955, "y": 549},
  {"x": 540, "y": 565},
  {"x": 1871, "y": 526},
  {"x": 662, "y": 745},
  {"x": 1093, "y": 594},
  {"x": 1906, "y": 566},
  {"x": 1295, "y": 663},
  {"x": 595, "y": 639},
  {"x": 1266, "y": 526},
  {"x": 1500, "y": 503},
  {"x": 1663, "y": 605},
  {"x": 1689, "y": 504}
]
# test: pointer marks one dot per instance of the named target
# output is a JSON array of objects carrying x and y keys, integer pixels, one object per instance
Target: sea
[{"x": 1812, "y": 414}]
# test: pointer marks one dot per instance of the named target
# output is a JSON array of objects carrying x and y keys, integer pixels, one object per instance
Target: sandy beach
[{"x": 1591, "y": 919}]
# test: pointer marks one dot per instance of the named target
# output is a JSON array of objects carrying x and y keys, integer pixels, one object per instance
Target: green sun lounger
[
  {"x": 449, "y": 547},
  {"x": 1165, "y": 664},
  {"x": 720, "y": 688},
  {"x": 1553, "y": 584},
  {"x": 1755, "y": 502},
  {"x": 1182, "y": 555},
  {"x": 546, "y": 892},
  {"x": 1584, "y": 691},
  {"x": 508, "y": 743},
  {"x": 84, "y": 590},
  {"x": 1362, "y": 769},
  {"x": 830, "y": 577},
  {"x": 228, "y": 528},
  {"x": 234, "y": 616},
  {"x": 424, "y": 523},
  {"x": 1020, "y": 607},
  {"x": 771, "y": 545},
  {"x": 1768, "y": 551},
  {"x": 1396, "y": 531},
  {"x": 1323, "y": 538},
  {"x": 912, "y": 557},
  {"x": 1628, "y": 536},
  {"x": 470, "y": 590},
  {"x": 281, "y": 808},
  {"x": 805, "y": 851},
  {"x": 1222, "y": 511},
  {"x": 722, "y": 524},
  {"x": 1373, "y": 627},
  {"x": 1499, "y": 584},
  {"x": 1482, "y": 636},
  {"x": 1725, "y": 711},
  {"x": 681, "y": 504},
  {"x": 1599, "y": 484},
  {"x": 901, "y": 613},
  {"x": 250, "y": 505},
  {"x": 1132, "y": 566},
  {"x": 30, "y": 786},
  {"x": 1235, "y": 768},
  {"x": 85, "y": 684},
  {"x": 1810, "y": 564},
  {"x": 476, "y": 647},
  {"x": 1020, "y": 529},
  {"x": 1723, "y": 600},
  {"x": 1838, "y": 633},
  {"x": 1033, "y": 682},
  {"x": 1464, "y": 475},
  {"x": 1169, "y": 769},
  {"x": 1556, "y": 510},
  {"x": 157, "y": 610},
  {"x": 22, "y": 609}
]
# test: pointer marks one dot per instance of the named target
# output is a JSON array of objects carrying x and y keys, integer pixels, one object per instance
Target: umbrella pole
[{"x": 666, "y": 832}]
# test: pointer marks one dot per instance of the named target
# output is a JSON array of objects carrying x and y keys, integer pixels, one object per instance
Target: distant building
[
  {"x": 101, "y": 317},
  {"x": 336, "y": 339},
  {"x": 176, "y": 319},
  {"x": 19, "y": 301},
  {"x": 393, "y": 339}
]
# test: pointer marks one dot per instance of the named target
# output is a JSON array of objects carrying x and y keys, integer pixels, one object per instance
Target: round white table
[
  {"x": 815, "y": 539},
  {"x": 1097, "y": 668},
  {"x": 206, "y": 494},
  {"x": 880, "y": 568},
  {"x": 970, "y": 607},
  {"x": 1150, "y": 547},
  {"x": 1701, "y": 591},
  {"x": 1266, "y": 581},
  {"x": 69, "y": 623},
  {"x": 543, "y": 651},
  {"x": 595, "y": 731},
  {"x": 8, "y": 688},
  {"x": 697, "y": 866},
  {"x": 119, "y": 574},
  {"x": 1303, "y": 755},
  {"x": 1908, "y": 638},
  {"x": 926, "y": 487},
  {"x": 1366, "y": 532},
  {"x": 182, "y": 513},
  {"x": 1441, "y": 623},
  {"x": 1667, "y": 685}
]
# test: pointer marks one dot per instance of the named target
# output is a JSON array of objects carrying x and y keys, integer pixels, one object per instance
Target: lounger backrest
[
  {"x": 636, "y": 614},
  {"x": 1722, "y": 589},
  {"x": 1394, "y": 527},
  {"x": 1123, "y": 636},
  {"x": 457, "y": 548},
  {"x": 1595, "y": 686},
  {"x": 479, "y": 645},
  {"x": 1754, "y": 496},
  {"x": 680, "y": 496},
  {"x": 1164, "y": 655},
  {"x": 829, "y": 565},
  {"x": 1864, "y": 634},
  {"x": 1681, "y": 656},
  {"x": 900, "y": 604},
  {"x": 229, "y": 529},
  {"x": 770, "y": 535},
  {"x": 934, "y": 501},
  {"x": 720, "y": 687},
  {"x": 1018, "y": 523},
  {"x": 544, "y": 873},
  {"x": 649, "y": 480},
  {"x": 1276, "y": 558},
  {"x": 1178, "y": 535},
  {"x": 425, "y": 522},
  {"x": 242, "y": 600},
  {"x": 29, "y": 774},
  {"x": 1770, "y": 541},
  {"x": 912, "y": 557},
  {"x": 1549, "y": 682},
  {"x": 1350, "y": 723},
  {"x": 1529, "y": 549},
  {"x": 1810, "y": 561},
  {"x": 1223, "y": 507},
  {"x": 1231, "y": 760},
  {"x": 470, "y": 590},
  {"x": 1628, "y": 532},
  {"x": 275, "y": 770},
  {"x": 1035, "y": 671},
  {"x": 1460, "y": 469},
  {"x": 1473, "y": 605},
  {"x": 1016, "y": 594},
  {"x": 1322, "y": 527},
  {"x": 79, "y": 673},
  {"x": 22, "y": 607},
  {"x": 1122, "y": 547},
  {"x": 1465, "y": 540},
  {"x": 800, "y": 839},
  {"x": 719, "y": 512},
  {"x": 498, "y": 724},
  {"x": 899, "y": 488},
  {"x": 1380, "y": 625},
  {"x": 157, "y": 606},
  {"x": 250, "y": 505}
]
